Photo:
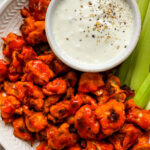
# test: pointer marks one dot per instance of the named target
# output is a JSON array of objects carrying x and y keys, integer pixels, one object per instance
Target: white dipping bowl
[{"x": 75, "y": 64}]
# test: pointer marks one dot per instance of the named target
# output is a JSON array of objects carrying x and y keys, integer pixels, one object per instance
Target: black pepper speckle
[{"x": 93, "y": 36}]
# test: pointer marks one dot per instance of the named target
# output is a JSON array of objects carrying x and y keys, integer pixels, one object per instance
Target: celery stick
[
  {"x": 142, "y": 61},
  {"x": 130, "y": 70},
  {"x": 123, "y": 70},
  {"x": 148, "y": 106},
  {"x": 143, "y": 5},
  {"x": 142, "y": 96},
  {"x": 126, "y": 69}
]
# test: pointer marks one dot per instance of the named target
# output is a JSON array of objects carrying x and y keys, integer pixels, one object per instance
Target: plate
[{"x": 10, "y": 21}]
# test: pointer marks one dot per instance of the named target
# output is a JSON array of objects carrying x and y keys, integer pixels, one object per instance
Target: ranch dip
[{"x": 92, "y": 31}]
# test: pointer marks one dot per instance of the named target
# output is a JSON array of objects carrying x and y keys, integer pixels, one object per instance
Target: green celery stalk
[
  {"x": 126, "y": 69},
  {"x": 142, "y": 96},
  {"x": 148, "y": 106},
  {"x": 130, "y": 69},
  {"x": 143, "y": 5},
  {"x": 123, "y": 70},
  {"x": 142, "y": 53}
]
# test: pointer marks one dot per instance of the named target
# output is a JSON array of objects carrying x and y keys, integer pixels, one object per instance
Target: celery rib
[
  {"x": 143, "y": 5},
  {"x": 126, "y": 69},
  {"x": 142, "y": 96},
  {"x": 148, "y": 106},
  {"x": 142, "y": 61},
  {"x": 123, "y": 71}
]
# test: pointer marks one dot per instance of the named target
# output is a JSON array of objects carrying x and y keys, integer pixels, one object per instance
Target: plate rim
[{"x": 4, "y": 4}]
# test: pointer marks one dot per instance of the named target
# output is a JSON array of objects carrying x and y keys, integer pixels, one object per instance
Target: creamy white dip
[{"x": 92, "y": 31}]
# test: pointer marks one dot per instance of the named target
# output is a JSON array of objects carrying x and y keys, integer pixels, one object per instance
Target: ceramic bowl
[{"x": 93, "y": 67}]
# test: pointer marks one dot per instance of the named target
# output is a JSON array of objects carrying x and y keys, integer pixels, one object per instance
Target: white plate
[{"x": 10, "y": 21}]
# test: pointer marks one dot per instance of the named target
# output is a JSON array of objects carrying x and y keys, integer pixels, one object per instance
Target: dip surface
[{"x": 92, "y": 32}]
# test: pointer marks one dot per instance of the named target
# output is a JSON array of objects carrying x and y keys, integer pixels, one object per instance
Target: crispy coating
[
  {"x": 70, "y": 120},
  {"x": 71, "y": 78},
  {"x": 43, "y": 49},
  {"x": 3, "y": 70},
  {"x": 111, "y": 90},
  {"x": 74, "y": 147},
  {"x": 60, "y": 67},
  {"x": 2, "y": 96},
  {"x": 47, "y": 58},
  {"x": 67, "y": 108},
  {"x": 143, "y": 143},
  {"x": 9, "y": 88},
  {"x": 130, "y": 93},
  {"x": 69, "y": 93},
  {"x": 101, "y": 136},
  {"x": 102, "y": 96},
  {"x": 10, "y": 107},
  {"x": 114, "y": 90},
  {"x": 21, "y": 90},
  {"x": 90, "y": 82},
  {"x": 12, "y": 43},
  {"x": 75, "y": 103},
  {"x": 15, "y": 68},
  {"x": 38, "y": 8},
  {"x": 35, "y": 121},
  {"x": 28, "y": 89},
  {"x": 27, "y": 54},
  {"x": 137, "y": 115},
  {"x": 126, "y": 137},
  {"x": 42, "y": 146},
  {"x": 57, "y": 86},
  {"x": 85, "y": 123},
  {"x": 60, "y": 110},
  {"x": 42, "y": 135},
  {"x": 38, "y": 72},
  {"x": 121, "y": 97},
  {"x": 111, "y": 116},
  {"x": 25, "y": 13},
  {"x": 86, "y": 99},
  {"x": 113, "y": 85},
  {"x": 59, "y": 138},
  {"x": 37, "y": 104},
  {"x": 51, "y": 100},
  {"x": 33, "y": 31},
  {"x": 21, "y": 131},
  {"x": 95, "y": 145}
]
